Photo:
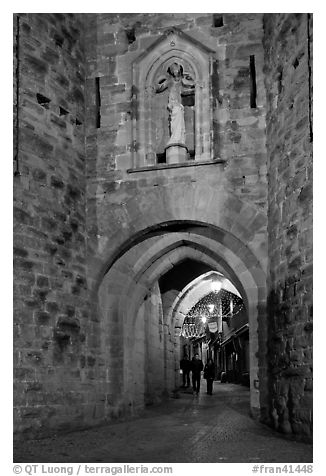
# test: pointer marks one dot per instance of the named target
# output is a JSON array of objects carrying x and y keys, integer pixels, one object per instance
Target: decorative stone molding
[{"x": 189, "y": 163}]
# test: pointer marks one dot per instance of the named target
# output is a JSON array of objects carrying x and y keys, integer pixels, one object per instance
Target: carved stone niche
[{"x": 176, "y": 69}]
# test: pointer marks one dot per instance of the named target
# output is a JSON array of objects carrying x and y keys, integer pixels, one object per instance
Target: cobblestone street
[{"x": 203, "y": 429}]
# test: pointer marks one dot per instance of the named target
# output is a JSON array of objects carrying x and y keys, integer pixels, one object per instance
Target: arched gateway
[{"x": 141, "y": 348}]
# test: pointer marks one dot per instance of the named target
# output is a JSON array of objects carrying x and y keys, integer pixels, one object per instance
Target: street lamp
[{"x": 216, "y": 286}]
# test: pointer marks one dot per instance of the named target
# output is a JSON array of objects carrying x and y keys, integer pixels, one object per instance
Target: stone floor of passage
[{"x": 203, "y": 429}]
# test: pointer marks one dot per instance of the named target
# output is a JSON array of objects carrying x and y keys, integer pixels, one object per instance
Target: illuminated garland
[
  {"x": 189, "y": 331},
  {"x": 196, "y": 322}
]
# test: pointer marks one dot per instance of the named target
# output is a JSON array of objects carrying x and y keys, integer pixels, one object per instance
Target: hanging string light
[
  {"x": 191, "y": 330},
  {"x": 209, "y": 312}
]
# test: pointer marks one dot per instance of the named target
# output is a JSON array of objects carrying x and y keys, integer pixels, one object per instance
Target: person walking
[
  {"x": 196, "y": 368},
  {"x": 209, "y": 374},
  {"x": 185, "y": 366}
]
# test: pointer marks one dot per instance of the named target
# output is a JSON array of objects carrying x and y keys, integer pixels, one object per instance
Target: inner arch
[{"x": 134, "y": 307}]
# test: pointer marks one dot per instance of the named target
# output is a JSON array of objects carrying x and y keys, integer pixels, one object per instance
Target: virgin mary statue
[
  {"x": 177, "y": 121},
  {"x": 176, "y": 83}
]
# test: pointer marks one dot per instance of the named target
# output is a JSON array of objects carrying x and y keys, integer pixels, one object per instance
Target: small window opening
[
  {"x": 63, "y": 112},
  {"x": 217, "y": 20},
  {"x": 97, "y": 103},
  {"x": 295, "y": 63},
  {"x": 280, "y": 80},
  {"x": 131, "y": 37},
  {"x": 191, "y": 154},
  {"x": 253, "y": 86},
  {"x": 161, "y": 158},
  {"x": 279, "y": 83},
  {"x": 58, "y": 40},
  {"x": 43, "y": 100}
]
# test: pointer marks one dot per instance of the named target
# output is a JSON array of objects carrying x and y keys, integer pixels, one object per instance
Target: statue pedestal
[{"x": 176, "y": 153}]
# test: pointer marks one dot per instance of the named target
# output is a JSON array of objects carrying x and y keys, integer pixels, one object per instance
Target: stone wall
[
  {"x": 288, "y": 55},
  {"x": 53, "y": 356}
]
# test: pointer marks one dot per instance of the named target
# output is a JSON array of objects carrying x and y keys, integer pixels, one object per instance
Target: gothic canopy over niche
[{"x": 172, "y": 102}]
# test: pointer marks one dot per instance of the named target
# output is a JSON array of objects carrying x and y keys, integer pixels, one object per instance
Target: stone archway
[
  {"x": 139, "y": 236},
  {"x": 126, "y": 311},
  {"x": 126, "y": 220}
]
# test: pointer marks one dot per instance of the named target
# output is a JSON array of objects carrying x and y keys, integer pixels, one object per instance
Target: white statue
[{"x": 177, "y": 83}]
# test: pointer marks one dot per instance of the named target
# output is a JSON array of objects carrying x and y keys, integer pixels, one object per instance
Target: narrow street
[{"x": 203, "y": 429}]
